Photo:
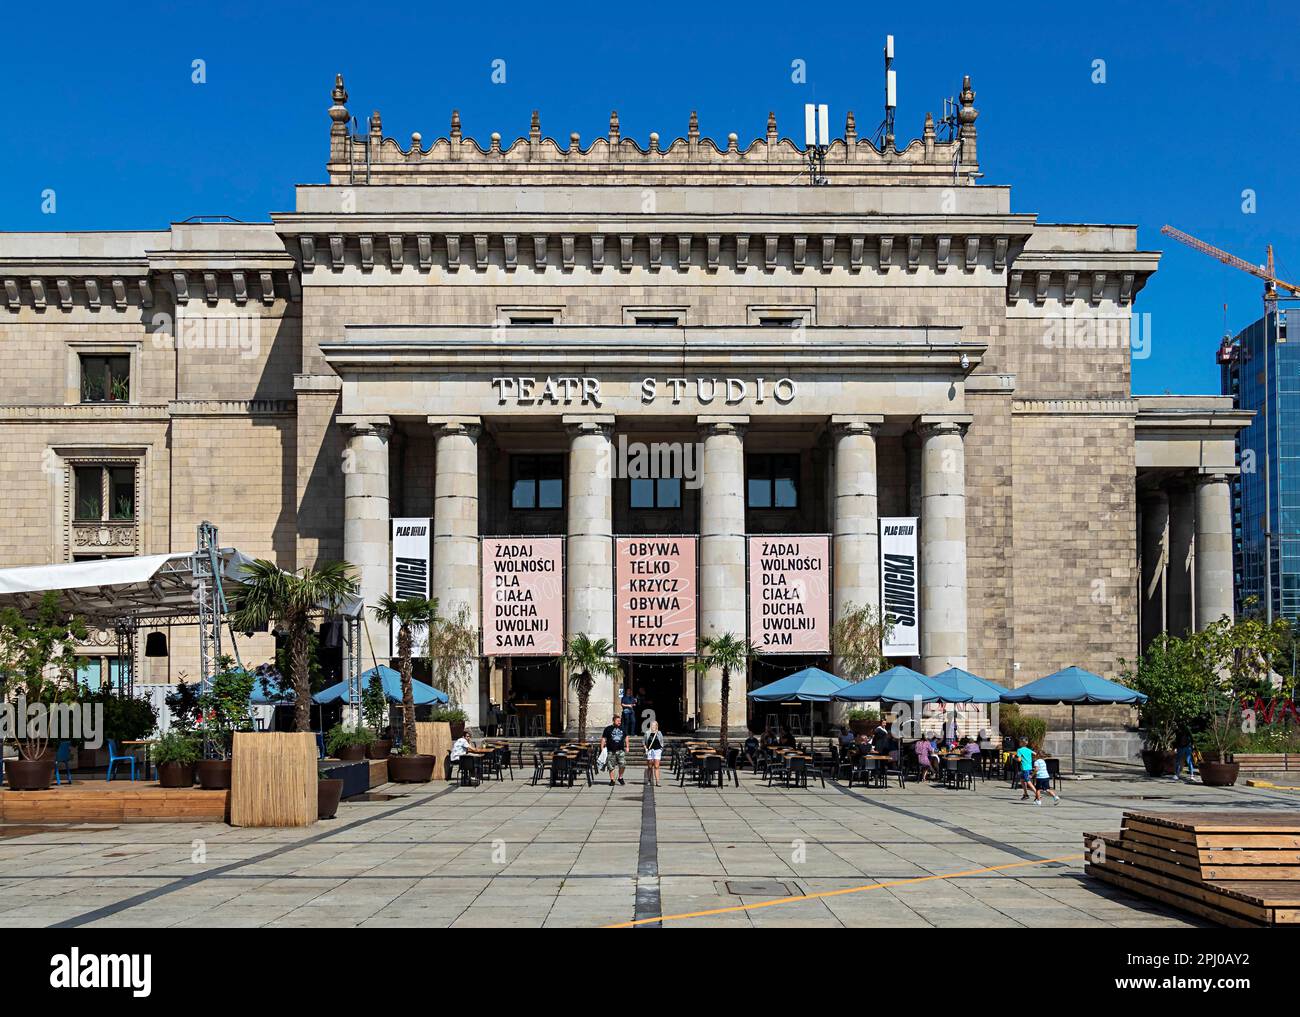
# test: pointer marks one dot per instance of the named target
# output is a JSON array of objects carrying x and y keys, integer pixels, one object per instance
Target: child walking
[{"x": 1043, "y": 781}]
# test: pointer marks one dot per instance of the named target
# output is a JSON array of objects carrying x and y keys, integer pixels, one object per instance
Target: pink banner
[
  {"x": 790, "y": 594},
  {"x": 523, "y": 596},
  {"x": 656, "y": 595}
]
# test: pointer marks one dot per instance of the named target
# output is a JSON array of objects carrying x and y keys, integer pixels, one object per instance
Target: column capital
[
  {"x": 580, "y": 424},
  {"x": 362, "y": 425},
  {"x": 468, "y": 426},
  {"x": 1208, "y": 475},
  {"x": 867, "y": 424},
  {"x": 712, "y": 424},
  {"x": 931, "y": 425}
]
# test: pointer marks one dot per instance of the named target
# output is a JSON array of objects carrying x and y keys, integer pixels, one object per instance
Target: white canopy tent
[{"x": 191, "y": 587}]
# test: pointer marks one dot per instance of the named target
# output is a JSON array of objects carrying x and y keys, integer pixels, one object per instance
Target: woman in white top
[{"x": 654, "y": 752}]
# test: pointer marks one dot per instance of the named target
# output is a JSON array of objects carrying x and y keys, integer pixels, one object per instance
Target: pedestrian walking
[
  {"x": 1025, "y": 757},
  {"x": 614, "y": 741},
  {"x": 1043, "y": 781},
  {"x": 654, "y": 753}
]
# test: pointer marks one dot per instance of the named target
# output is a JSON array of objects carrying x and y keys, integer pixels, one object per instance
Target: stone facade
[{"x": 300, "y": 382}]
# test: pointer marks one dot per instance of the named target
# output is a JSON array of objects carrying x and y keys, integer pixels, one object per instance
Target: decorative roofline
[{"x": 694, "y": 159}]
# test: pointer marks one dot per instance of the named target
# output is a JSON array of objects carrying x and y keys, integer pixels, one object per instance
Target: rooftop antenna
[
  {"x": 885, "y": 132},
  {"x": 816, "y": 130}
]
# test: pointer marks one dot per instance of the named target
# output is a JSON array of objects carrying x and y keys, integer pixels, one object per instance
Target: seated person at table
[
  {"x": 750, "y": 751},
  {"x": 769, "y": 738},
  {"x": 787, "y": 739},
  {"x": 846, "y": 738},
  {"x": 923, "y": 751},
  {"x": 970, "y": 748},
  {"x": 460, "y": 747}
]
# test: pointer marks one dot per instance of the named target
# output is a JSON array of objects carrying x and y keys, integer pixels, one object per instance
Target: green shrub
[
  {"x": 448, "y": 714},
  {"x": 870, "y": 716},
  {"x": 177, "y": 747},
  {"x": 340, "y": 737},
  {"x": 1016, "y": 725}
]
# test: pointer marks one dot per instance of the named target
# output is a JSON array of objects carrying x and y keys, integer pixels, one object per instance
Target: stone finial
[
  {"x": 732, "y": 142},
  {"x": 416, "y": 141},
  {"x": 771, "y": 126},
  {"x": 575, "y": 143},
  {"x": 339, "y": 111},
  {"x": 376, "y": 125},
  {"x": 613, "y": 127},
  {"x": 928, "y": 132},
  {"x": 535, "y": 127},
  {"x": 693, "y": 125},
  {"x": 850, "y": 127},
  {"x": 455, "y": 125},
  {"x": 654, "y": 141},
  {"x": 496, "y": 142},
  {"x": 966, "y": 117}
]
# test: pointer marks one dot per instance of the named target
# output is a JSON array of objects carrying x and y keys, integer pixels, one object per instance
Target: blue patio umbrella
[
  {"x": 901, "y": 685},
  {"x": 981, "y": 689},
  {"x": 391, "y": 681},
  {"x": 811, "y": 685},
  {"x": 1077, "y": 687}
]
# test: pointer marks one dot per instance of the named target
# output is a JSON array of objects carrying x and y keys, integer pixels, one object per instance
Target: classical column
[
  {"x": 365, "y": 505},
  {"x": 455, "y": 580},
  {"x": 1182, "y": 529},
  {"x": 943, "y": 542},
  {"x": 1214, "y": 568},
  {"x": 1155, "y": 562},
  {"x": 722, "y": 558},
  {"x": 856, "y": 516},
  {"x": 589, "y": 554}
]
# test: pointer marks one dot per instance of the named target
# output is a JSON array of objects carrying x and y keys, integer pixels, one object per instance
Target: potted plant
[
  {"x": 586, "y": 658},
  {"x": 407, "y": 615},
  {"x": 176, "y": 755},
  {"x": 453, "y": 659},
  {"x": 37, "y": 663},
  {"x": 374, "y": 709},
  {"x": 329, "y": 792},
  {"x": 862, "y": 722},
  {"x": 1170, "y": 676},
  {"x": 225, "y": 711},
  {"x": 348, "y": 743},
  {"x": 1235, "y": 659},
  {"x": 291, "y": 599},
  {"x": 453, "y": 716},
  {"x": 410, "y": 767},
  {"x": 727, "y": 654}
]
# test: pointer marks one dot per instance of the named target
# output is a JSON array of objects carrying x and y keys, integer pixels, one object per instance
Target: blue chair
[
  {"x": 114, "y": 757},
  {"x": 63, "y": 758}
]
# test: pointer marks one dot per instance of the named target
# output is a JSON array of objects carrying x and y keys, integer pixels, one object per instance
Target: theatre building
[{"x": 638, "y": 389}]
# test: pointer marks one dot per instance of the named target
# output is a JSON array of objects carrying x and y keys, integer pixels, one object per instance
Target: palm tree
[
  {"x": 725, "y": 653},
  {"x": 586, "y": 658},
  {"x": 412, "y": 613},
  {"x": 271, "y": 594}
]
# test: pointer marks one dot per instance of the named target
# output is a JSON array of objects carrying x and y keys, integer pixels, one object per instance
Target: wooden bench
[
  {"x": 1236, "y": 868},
  {"x": 1272, "y": 762}
]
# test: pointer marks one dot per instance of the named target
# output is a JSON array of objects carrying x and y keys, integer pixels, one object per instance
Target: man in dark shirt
[{"x": 614, "y": 741}]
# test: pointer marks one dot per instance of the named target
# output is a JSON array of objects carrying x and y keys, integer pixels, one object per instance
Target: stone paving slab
[{"x": 506, "y": 854}]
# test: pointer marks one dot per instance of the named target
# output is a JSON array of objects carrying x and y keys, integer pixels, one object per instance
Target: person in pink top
[{"x": 923, "y": 749}]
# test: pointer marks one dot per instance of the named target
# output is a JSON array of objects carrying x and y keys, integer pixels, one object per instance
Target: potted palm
[
  {"x": 291, "y": 600},
  {"x": 586, "y": 658},
  {"x": 30, "y": 650},
  {"x": 409, "y": 766},
  {"x": 728, "y": 654},
  {"x": 176, "y": 755}
]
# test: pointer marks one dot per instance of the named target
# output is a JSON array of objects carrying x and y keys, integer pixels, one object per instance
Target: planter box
[
  {"x": 273, "y": 779},
  {"x": 433, "y": 738}
]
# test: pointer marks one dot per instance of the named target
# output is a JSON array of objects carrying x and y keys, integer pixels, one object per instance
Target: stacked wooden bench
[{"x": 1236, "y": 868}]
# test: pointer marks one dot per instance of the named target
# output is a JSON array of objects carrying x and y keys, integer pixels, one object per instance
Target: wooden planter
[
  {"x": 351, "y": 753},
  {"x": 274, "y": 779},
  {"x": 1214, "y": 774},
  {"x": 416, "y": 769},
  {"x": 329, "y": 791},
  {"x": 176, "y": 774},
  {"x": 214, "y": 774},
  {"x": 379, "y": 749},
  {"x": 433, "y": 738},
  {"x": 30, "y": 774}
]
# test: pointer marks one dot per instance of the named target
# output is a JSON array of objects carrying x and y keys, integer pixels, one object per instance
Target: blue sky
[{"x": 1197, "y": 107}]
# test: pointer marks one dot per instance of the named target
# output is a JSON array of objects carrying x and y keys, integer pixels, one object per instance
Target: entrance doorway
[
  {"x": 534, "y": 694},
  {"x": 793, "y": 717},
  {"x": 659, "y": 683}
]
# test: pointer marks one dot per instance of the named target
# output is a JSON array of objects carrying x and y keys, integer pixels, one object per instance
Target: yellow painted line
[
  {"x": 840, "y": 893},
  {"x": 1270, "y": 785}
]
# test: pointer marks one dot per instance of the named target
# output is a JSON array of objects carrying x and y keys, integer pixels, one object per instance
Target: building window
[
  {"x": 661, "y": 493},
  {"x": 537, "y": 482},
  {"x": 779, "y": 321},
  {"x": 657, "y": 320},
  {"x": 105, "y": 379},
  {"x": 772, "y": 481},
  {"x": 104, "y": 493},
  {"x": 532, "y": 319}
]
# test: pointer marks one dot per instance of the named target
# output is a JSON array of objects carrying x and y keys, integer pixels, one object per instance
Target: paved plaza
[{"x": 508, "y": 854}]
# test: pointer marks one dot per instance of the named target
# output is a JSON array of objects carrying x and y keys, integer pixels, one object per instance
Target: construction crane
[{"x": 1264, "y": 271}]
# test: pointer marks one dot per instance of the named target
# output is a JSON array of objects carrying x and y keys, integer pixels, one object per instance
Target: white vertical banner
[
  {"x": 899, "y": 590},
  {"x": 410, "y": 574}
]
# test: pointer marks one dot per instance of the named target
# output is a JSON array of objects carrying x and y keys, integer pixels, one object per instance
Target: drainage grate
[{"x": 759, "y": 888}]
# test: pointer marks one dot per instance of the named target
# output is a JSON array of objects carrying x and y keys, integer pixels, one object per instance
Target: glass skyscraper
[{"x": 1261, "y": 370}]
